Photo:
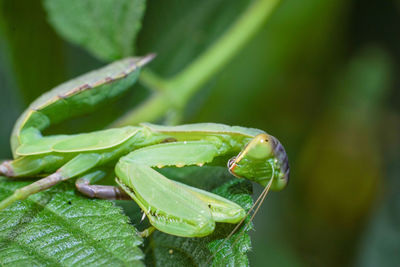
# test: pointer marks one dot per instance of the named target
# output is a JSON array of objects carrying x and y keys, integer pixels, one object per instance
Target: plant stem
[
  {"x": 218, "y": 55},
  {"x": 176, "y": 92},
  {"x": 152, "y": 80}
]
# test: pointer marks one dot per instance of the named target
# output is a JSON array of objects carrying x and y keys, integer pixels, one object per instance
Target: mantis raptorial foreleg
[
  {"x": 85, "y": 186},
  {"x": 173, "y": 207}
]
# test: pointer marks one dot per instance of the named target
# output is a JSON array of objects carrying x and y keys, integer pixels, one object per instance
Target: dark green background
[{"x": 320, "y": 75}]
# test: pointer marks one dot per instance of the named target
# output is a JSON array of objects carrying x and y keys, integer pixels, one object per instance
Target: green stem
[
  {"x": 217, "y": 56},
  {"x": 152, "y": 81},
  {"x": 175, "y": 92}
]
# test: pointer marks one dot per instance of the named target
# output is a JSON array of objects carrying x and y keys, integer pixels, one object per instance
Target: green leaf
[
  {"x": 106, "y": 28},
  {"x": 167, "y": 250},
  {"x": 60, "y": 227}
]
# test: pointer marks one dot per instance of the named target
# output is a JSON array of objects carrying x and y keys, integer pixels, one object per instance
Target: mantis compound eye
[{"x": 261, "y": 147}]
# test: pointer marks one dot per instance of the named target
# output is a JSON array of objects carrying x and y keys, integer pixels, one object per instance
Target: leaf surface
[{"x": 61, "y": 227}]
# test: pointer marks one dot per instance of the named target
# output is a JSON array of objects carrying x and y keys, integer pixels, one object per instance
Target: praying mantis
[{"x": 134, "y": 153}]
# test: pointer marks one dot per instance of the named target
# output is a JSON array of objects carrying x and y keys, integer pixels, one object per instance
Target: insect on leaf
[
  {"x": 60, "y": 227},
  {"x": 107, "y": 29},
  {"x": 167, "y": 250}
]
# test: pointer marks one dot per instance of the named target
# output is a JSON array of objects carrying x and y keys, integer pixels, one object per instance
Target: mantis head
[{"x": 262, "y": 159}]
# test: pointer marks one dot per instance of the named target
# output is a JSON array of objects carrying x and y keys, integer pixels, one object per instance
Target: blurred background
[{"x": 320, "y": 75}]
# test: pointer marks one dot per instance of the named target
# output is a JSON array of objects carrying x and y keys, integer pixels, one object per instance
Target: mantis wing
[
  {"x": 78, "y": 142},
  {"x": 76, "y": 97}
]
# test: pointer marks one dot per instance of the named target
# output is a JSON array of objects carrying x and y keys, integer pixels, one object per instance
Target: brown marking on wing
[{"x": 169, "y": 140}]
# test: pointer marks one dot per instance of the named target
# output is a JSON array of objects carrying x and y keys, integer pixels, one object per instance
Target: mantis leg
[
  {"x": 74, "y": 167},
  {"x": 31, "y": 166},
  {"x": 26, "y": 191},
  {"x": 85, "y": 186},
  {"x": 173, "y": 207}
]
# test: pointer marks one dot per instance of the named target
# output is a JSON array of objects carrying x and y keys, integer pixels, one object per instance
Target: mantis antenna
[{"x": 258, "y": 203}]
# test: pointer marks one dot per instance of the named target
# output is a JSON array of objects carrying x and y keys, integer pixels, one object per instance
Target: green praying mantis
[{"x": 133, "y": 153}]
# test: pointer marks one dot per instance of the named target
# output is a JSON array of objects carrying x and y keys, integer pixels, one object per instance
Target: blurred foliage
[
  {"x": 106, "y": 28},
  {"x": 202, "y": 21},
  {"x": 40, "y": 67},
  {"x": 318, "y": 76},
  {"x": 341, "y": 148}
]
